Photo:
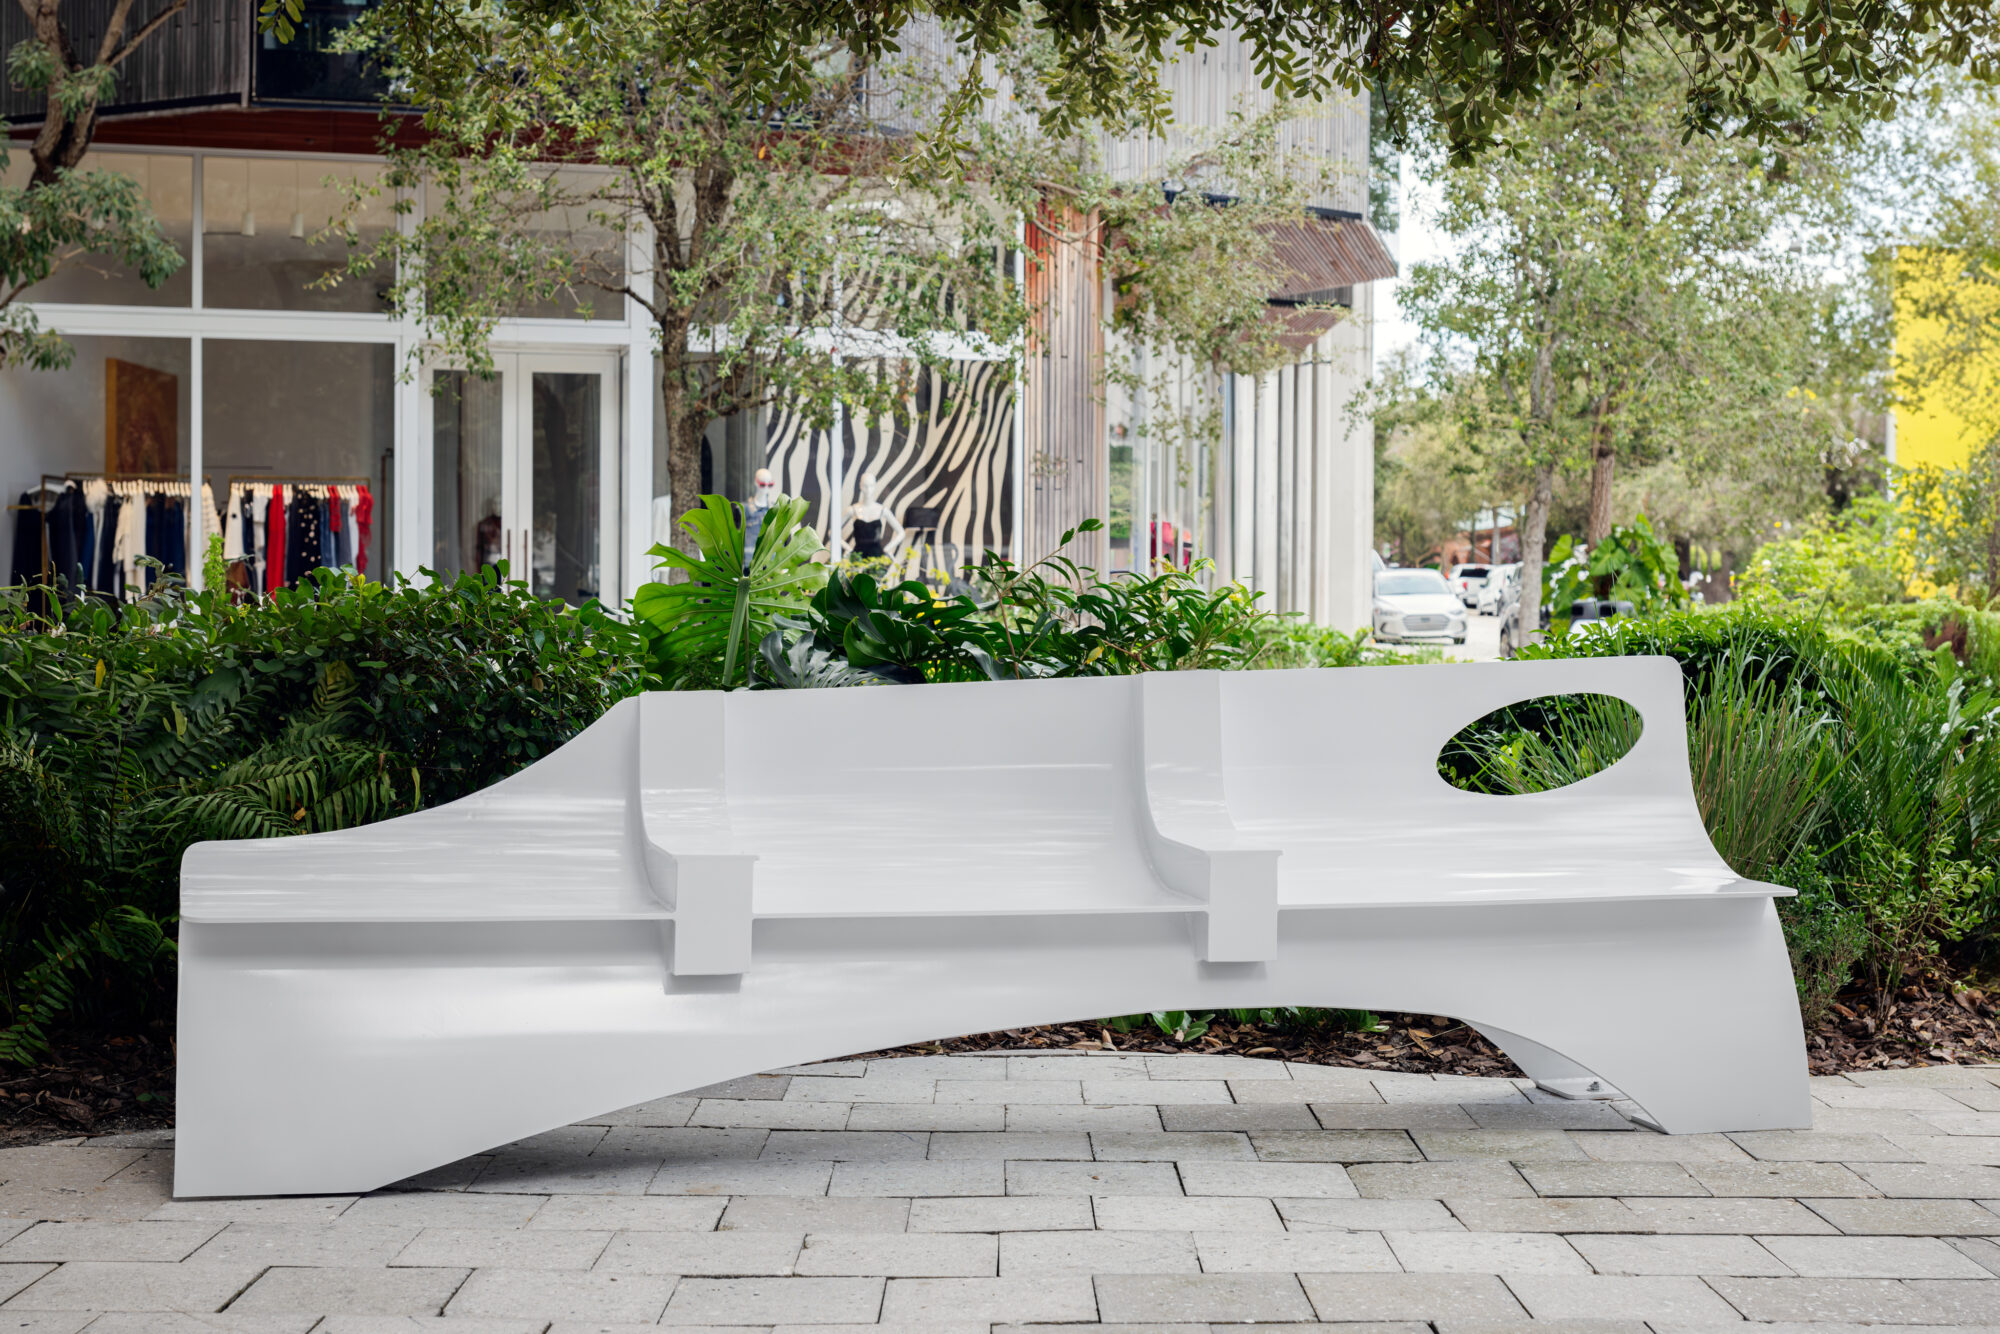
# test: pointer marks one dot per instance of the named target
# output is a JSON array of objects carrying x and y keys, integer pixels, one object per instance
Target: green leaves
[
  {"x": 705, "y": 629},
  {"x": 127, "y": 733},
  {"x": 1744, "y": 65},
  {"x": 1630, "y": 565},
  {"x": 44, "y": 225},
  {"x": 280, "y": 18}
]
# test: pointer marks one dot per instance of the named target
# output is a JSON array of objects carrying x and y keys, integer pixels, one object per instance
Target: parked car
[
  {"x": 1417, "y": 605},
  {"x": 1503, "y": 585},
  {"x": 1467, "y": 580}
]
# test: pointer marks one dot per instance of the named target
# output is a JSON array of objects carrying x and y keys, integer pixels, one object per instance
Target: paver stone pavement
[{"x": 1011, "y": 1192}]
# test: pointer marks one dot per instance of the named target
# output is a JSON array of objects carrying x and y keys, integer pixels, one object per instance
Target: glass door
[
  {"x": 468, "y": 516},
  {"x": 524, "y": 471}
]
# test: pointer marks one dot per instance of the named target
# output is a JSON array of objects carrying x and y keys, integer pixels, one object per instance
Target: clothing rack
[
  {"x": 267, "y": 479},
  {"x": 169, "y": 483},
  {"x": 294, "y": 486}
]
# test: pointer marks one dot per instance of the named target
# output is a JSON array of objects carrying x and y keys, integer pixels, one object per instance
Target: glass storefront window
[
  {"x": 120, "y": 412},
  {"x": 308, "y": 68},
  {"x": 316, "y": 419},
  {"x": 600, "y": 254},
  {"x": 262, "y": 225},
  {"x": 468, "y": 531},
  {"x": 167, "y": 181},
  {"x": 568, "y": 444}
]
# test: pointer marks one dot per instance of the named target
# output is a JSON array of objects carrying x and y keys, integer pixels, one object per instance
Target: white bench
[{"x": 702, "y": 885}]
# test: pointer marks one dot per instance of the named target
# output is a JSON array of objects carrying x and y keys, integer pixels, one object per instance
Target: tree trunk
[
  {"x": 1534, "y": 540},
  {"x": 683, "y": 427},
  {"x": 62, "y": 139},
  {"x": 1603, "y": 464}
]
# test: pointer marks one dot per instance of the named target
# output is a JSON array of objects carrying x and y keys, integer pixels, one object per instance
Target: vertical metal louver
[{"x": 201, "y": 57}]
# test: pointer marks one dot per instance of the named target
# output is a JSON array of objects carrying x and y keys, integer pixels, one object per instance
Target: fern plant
[{"x": 93, "y": 825}]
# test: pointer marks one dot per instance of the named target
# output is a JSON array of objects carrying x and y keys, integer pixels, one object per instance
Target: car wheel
[{"x": 1460, "y": 640}]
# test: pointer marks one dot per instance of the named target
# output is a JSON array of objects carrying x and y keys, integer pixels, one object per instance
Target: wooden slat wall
[
  {"x": 1063, "y": 422},
  {"x": 1208, "y": 84}
]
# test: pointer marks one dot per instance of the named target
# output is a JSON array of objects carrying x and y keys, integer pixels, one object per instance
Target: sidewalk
[{"x": 954, "y": 1194}]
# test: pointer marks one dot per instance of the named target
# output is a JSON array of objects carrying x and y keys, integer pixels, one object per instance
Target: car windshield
[
  {"x": 1402, "y": 583},
  {"x": 1470, "y": 572}
]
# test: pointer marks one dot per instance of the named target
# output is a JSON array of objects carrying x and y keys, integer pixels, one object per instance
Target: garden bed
[
  {"x": 1934, "y": 1024},
  {"x": 90, "y": 1085},
  {"x": 97, "y": 1085}
]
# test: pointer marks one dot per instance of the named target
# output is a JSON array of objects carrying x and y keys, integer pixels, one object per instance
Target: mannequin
[
  {"x": 871, "y": 516},
  {"x": 754, "y": 510}
]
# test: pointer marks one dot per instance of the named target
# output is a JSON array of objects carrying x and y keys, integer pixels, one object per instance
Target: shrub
[
  {"x": 1631, "y": 565},
  {"x": 1863, "y": 766},
  {"x": 128, "y": 733},
  {"x": 1290, "y": 641},
  {"x": 1850, "y": 560},
  {"x": 1824, "y": 937}
]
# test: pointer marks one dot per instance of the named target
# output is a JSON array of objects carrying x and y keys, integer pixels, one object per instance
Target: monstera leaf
[{"x": 706, "y": 628}]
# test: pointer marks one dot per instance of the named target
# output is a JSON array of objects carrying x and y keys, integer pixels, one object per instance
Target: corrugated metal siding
[
  {"x": 200, "y": 58},
  {"x": 1063, "y": 417}
]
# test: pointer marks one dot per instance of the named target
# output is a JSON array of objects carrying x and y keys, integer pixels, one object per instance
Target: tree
[
  {"x": 800, "y": 254},
  {"x": 789, "y": 255},
  {"x": 1623, "y": 291},
  {"x": 1472, "y": 66},
  {"x": 1948, "y": 282},
  {"x": 62, "y": 215}
]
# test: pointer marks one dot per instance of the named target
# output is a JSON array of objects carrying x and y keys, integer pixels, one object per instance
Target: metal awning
[{"x": 1324, "y": 258}]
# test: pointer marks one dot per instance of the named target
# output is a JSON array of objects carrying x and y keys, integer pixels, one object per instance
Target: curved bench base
[{"x": 336, "y": 1058}]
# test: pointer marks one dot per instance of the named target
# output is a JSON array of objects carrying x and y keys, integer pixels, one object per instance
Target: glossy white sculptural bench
[{"x": 705, "y": 885}]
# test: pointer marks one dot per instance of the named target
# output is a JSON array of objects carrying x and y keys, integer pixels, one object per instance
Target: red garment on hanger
[
  {"x": 364, "y": 520},
  {"x": 274, "y": 541}
]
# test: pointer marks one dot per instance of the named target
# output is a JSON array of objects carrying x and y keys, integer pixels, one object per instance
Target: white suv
[{"x": 1467, "y": 580}]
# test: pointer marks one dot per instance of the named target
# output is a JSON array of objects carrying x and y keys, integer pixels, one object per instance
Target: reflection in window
[
  {"x": 262, "y": 242},
  {"x": 568, "y": 444},
  {"x": 167, "y": 182},
  {"x": 467, "y": 529},
  {"x": 599, "y": 249},
  {"x": 307, "y": 69}
]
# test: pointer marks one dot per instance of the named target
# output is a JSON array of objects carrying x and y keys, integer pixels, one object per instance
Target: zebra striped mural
[{"x": 943, "y": 464}]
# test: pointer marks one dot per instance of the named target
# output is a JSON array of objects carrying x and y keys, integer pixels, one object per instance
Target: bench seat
[{"x": 702, "y": 885}]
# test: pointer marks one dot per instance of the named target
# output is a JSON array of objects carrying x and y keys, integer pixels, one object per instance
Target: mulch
[
  {"x": 1420, "y": 1044},
  {"x": 101, "y": 1085},
  {"x": 1934, "y": 1022},
  {"x": 93, "y": 1085}
]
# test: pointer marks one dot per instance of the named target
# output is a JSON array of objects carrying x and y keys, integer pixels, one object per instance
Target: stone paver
[
  {"x": 1485, "y": 1253},
  {"x": 1716, "y": 1254},
  {"x": 1132, "y": 1194},
  {"x": 1351, "y": 1297},
  {"x": 1180, "y": 1298},
  {"x": 1025, "y": 1254}
]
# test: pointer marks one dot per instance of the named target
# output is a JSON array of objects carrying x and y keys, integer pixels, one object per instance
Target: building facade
[{"x": 252, "y": 372}]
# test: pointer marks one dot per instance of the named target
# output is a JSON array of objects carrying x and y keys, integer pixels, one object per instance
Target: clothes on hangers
[
  {"x": 326, "y": 559},
  {"x": 274, "y": 541},
  {"x": 301, "y": 536},
  {"x": 68, "y": 538},
  {"x": 211, "y": 520},
  {"x": 29, "y": 531},
  {"x": 130, "y": 543},
  {"x": 364, "y": 521},
  {"x": 338, "y": 508}
]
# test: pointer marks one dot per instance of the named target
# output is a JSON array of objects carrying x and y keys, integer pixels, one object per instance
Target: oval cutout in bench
[{"x": 1540, "y": 744}]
